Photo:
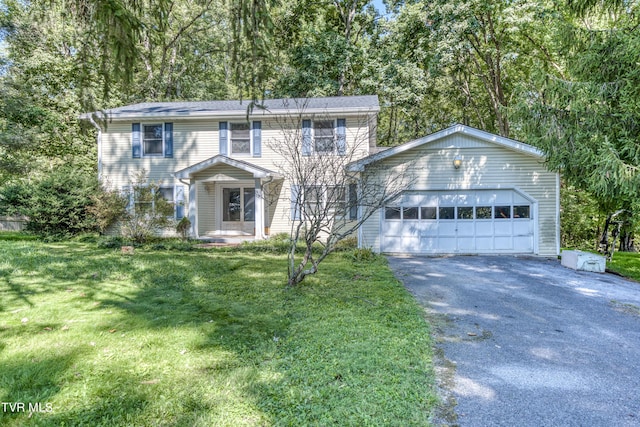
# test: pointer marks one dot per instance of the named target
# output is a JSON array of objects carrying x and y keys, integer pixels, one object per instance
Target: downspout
[
  {"x": 99, "y": 141},
  {"x": 188, "y": 211},
  {"x": 558, "y": 232},
  {"x": 265, "y": 207}
]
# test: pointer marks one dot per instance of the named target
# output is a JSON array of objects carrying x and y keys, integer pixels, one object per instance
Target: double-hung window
[
  {"x": 151, "y": 140},
  {"x": 240, "y": 138},
  {"x": 168, "y": 199},
  {"x": 323, "y": 136},
  {"x": 321, "y": 200}
]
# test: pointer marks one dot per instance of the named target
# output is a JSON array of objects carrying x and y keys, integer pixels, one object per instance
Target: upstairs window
[
  {"x": 243, "y": 139},
  {"x": 240, "y": 138},
  {"x": 323, "y": 137},
  {"x": 152, "y": 140}
]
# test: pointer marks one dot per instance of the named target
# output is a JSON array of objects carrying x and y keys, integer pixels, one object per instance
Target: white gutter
[
  {"x": 99, "y": 141},
  {"x": 231, "y": 114}
]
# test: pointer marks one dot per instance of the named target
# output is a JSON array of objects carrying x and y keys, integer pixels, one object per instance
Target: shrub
[
  {"x": 183, "y": 227},
  {"x": 365, "y": 254},
  {"x": 347, "y": 244},
  {"x": 12, "y": 199},
  {"x": 149, "y": 213},
  {"x": 108, "y": 207},
  {"x": 58, "y": 204}
]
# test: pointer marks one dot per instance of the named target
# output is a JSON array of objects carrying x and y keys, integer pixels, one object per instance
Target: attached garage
[{"x": 469, "y": 192}]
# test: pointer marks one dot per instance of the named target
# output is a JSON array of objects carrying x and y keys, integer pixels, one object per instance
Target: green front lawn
[
  {"x": 626, "y": 264},
  {"x": 205, "y": 338}
]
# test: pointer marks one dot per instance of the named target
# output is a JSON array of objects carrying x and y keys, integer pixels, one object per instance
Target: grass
[
  {"x": 626, "y": 264},
  {"x": 206, "y": 338}
]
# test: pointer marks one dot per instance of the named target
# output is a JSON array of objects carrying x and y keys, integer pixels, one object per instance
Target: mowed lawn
[
  {"x": 92, "y": 337},
  {"x": 626, "y": 264}
]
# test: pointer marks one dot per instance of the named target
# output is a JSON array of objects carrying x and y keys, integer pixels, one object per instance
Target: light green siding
[
  {"x": 196, "y": 140},
  {"x": 484, "y": 166}
]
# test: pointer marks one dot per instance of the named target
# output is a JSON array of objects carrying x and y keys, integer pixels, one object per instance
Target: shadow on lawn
[
  {"x": 235, "y": 302},
  {"x": 29, "y": 379}
]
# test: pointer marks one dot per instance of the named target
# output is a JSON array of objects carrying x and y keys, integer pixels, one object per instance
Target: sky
[{"x": 379, "y": 5}]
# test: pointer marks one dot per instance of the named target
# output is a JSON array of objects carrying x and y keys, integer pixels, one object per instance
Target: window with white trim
[
  {"x": 240, "y": 138},
  {"x": 322, "y": 198},
  {"x": 146, "y": 200},
  {"x": 323, "y": 136},
  {"x": 152, "y": 139}
]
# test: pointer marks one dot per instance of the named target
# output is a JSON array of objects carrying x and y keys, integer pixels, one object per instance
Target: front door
[{"x": 238, "y": 210}]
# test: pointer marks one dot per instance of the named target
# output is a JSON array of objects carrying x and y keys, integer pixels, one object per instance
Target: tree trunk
[{"x": 626, "y": 242}]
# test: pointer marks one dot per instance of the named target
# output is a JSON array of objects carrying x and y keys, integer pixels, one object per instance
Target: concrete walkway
[{"x": 527, "y": 342}]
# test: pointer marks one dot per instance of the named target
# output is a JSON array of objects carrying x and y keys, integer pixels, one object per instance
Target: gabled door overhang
[
  {"x": 256, "y": 171},
  {"x": 197, "y": 172}
]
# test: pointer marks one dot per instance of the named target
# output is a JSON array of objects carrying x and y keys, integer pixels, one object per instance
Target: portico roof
[{"x": 256, "y": 171}]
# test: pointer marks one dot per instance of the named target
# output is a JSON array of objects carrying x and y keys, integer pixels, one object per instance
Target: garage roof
[{"x": 358, "y": 166}]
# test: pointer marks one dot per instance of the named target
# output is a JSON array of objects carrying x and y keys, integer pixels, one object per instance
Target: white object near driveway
[{"x": 584, "y": 261}]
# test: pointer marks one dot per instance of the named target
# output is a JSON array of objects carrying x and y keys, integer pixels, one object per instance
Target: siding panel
[
  {"x": 484, "y": 166},
  {"x": 196, "y": 140}
]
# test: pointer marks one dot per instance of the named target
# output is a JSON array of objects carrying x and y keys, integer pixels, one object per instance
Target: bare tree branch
[{"x": 332, "y": 202}]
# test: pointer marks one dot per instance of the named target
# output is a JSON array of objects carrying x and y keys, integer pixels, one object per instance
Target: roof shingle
[{"x": 221, "y": 108}]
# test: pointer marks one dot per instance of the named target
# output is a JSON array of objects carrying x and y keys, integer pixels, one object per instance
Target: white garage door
[{"x": 481, "y": 221}]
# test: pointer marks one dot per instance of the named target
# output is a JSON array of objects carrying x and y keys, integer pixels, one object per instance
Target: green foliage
[
  {"x": 12, "y": 198},
  {"x": 584, "y": 113},
  {"x": 108, "y": 206},
  {"x": 40, "y": 101},
  {"x": 207, "y": 338},
  {"x": 347, "y": 244},
  {"x": 364, "y": 255},
  {"x": 580, "y": 218},
  {"x": 183, "y": 227},
  {"x": 58, "y": 204},
  {"x": 149, "y": 212}
]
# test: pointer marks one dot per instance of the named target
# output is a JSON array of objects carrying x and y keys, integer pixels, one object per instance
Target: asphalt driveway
[{"x": 526, "y": 342}]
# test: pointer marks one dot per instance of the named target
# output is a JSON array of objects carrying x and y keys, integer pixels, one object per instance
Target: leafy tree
[
  {"x": 586, "y": 119},
  {"x": 40, "y": 102},
  {"x": 164, "y": 41},
  {"x": 581, "y": 219},
  {"x": 326, "y": 48},
  {"x": 482, "y": 48}
]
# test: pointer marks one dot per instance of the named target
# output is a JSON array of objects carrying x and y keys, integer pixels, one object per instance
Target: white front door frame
[{"x": 239, "y": 227}]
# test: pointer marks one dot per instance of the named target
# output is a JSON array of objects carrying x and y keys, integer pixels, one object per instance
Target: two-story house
[
  {"x": 215, "y": 160},
  {"x": 220, "y": 163}
]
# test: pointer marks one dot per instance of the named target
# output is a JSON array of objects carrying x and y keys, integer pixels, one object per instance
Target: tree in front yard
[{"x": 328, "y": 202}]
